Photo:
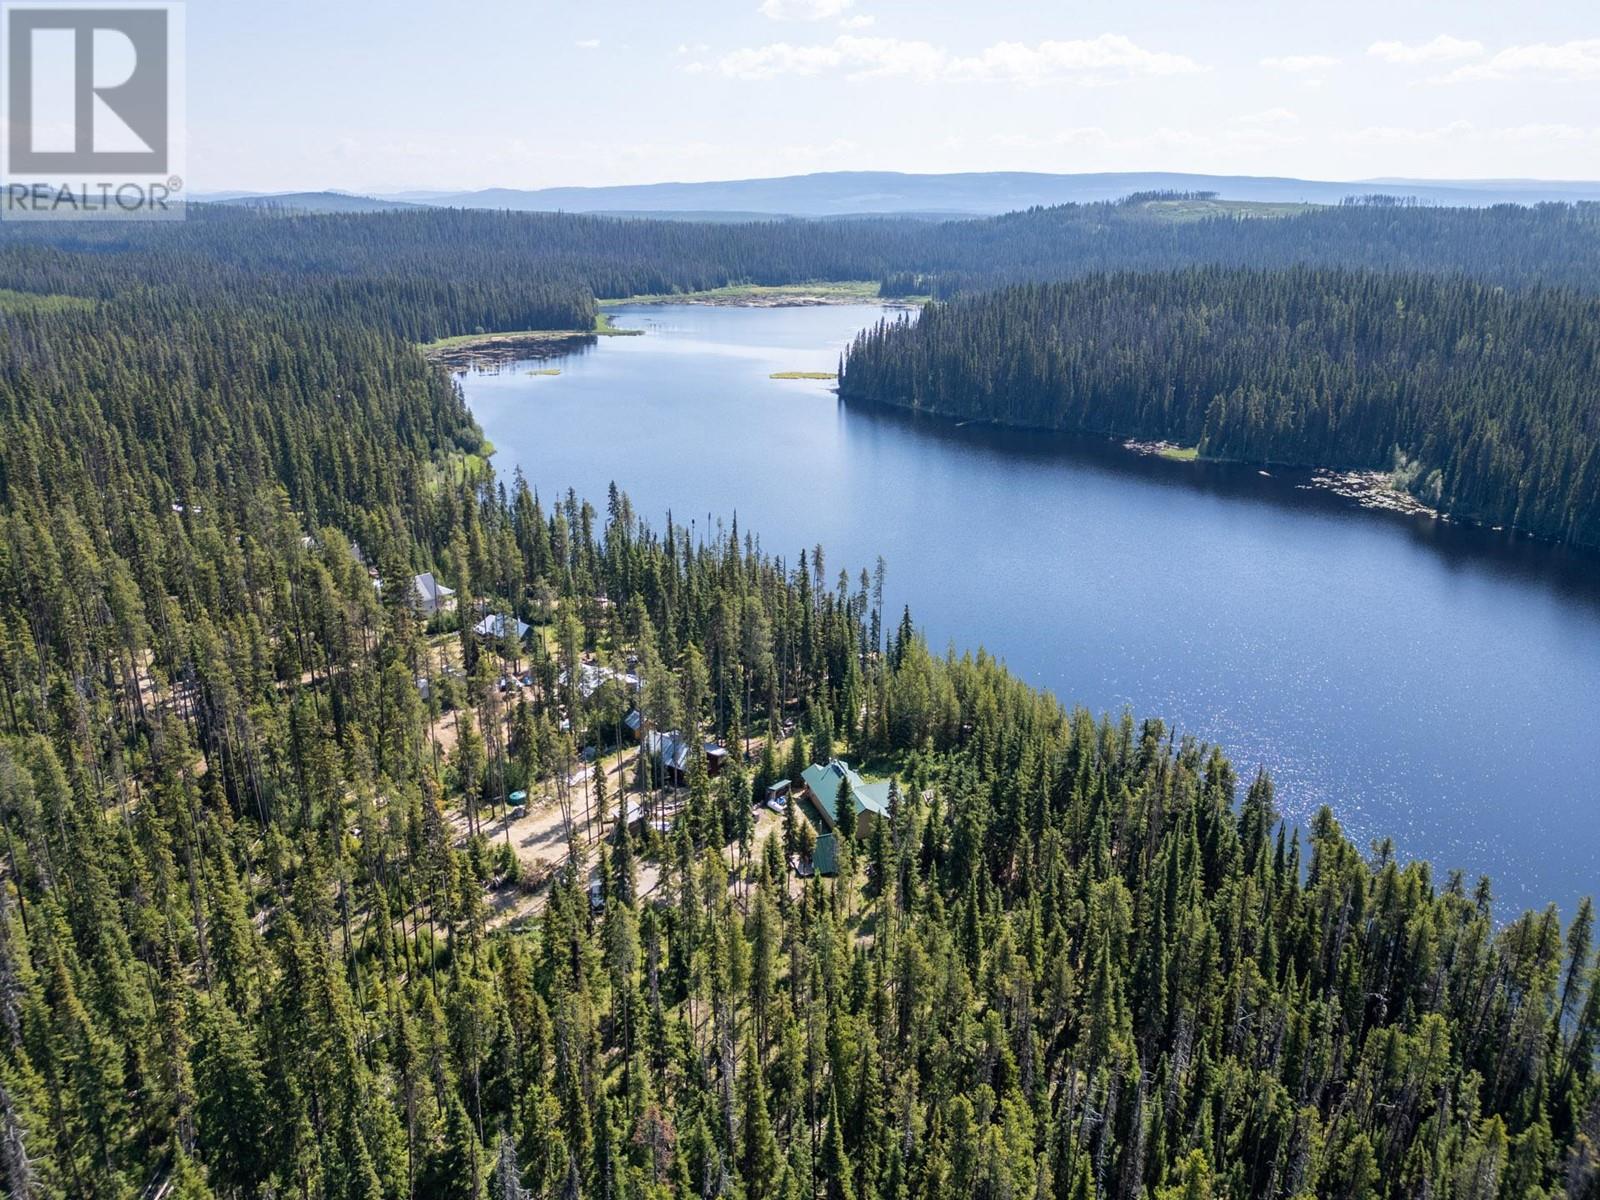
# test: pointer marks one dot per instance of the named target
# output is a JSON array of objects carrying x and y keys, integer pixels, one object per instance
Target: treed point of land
[{"x": 1477, "y": 403}]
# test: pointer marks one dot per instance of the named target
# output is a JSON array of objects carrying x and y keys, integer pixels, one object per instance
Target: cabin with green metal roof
[{"x": 824, "y": 784}]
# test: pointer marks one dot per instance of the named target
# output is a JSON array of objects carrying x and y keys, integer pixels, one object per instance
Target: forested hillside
[
  {"x": 433, "y": 273},
  {"x": 1509, "y": 245},
  {"x": 1486, "y": 403},
  {"x": 258, "y": 885}
]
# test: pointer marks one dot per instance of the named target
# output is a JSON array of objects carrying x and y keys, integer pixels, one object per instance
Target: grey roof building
[
  {"x": 431, "y": 595},
  {"x": 495, "y": 626}
]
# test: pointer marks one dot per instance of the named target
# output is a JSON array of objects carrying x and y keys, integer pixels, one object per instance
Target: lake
[{"x": 1431, "y": 683}]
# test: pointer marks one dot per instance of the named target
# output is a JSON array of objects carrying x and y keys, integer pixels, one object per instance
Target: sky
[{"x": 405, "y": 95}]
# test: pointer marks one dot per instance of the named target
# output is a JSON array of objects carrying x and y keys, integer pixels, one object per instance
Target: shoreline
[
  {"x": 466, "y": 350},
  {"x": 1170, "y": 451},
  {"x": 494, "y": 349},
  {"x": 1372, "y": 489},
  {"x": 1362, "y": 488},
  {"x": 1367, "y": 489}
]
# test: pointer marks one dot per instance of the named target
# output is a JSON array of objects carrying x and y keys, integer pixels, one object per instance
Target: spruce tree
[{"x": 833, "y": 1167}]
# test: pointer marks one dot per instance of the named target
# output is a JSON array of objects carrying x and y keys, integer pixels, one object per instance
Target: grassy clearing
[
  {"x": 895, "y": 765},
  {"x": 804, "y": 375},
  {"x": 1198, "y": 210},
  {"x": 42, "y": 302},
  {"x": 1180, "y": 453},
  {"x": 459, "y": 467},
  {"x": 604, "y": 326},
  {"x": 534, "y": 338},
  {"x": 529, "y": 335}
]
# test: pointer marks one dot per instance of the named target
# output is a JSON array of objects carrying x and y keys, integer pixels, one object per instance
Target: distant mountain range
[{"x": 882, "y": 193}]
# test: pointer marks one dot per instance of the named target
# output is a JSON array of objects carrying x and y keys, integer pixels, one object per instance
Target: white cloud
[
  {"x": 1084, "y": 58},
  {"x": 1396, "y": 135},
  {"x": 1466, "y": 133},
  {"x": 1543, "y": 133},
  {"x": 1255, "y": 138},
  {"x": 588, "y": 44},
  {"x": 803, "y": 10},
  {"x": 1298, "y": 64},
  {"x": 857, "y": 21},
  {"x": 1268, "y": 116},
  {"x": 864, "y": 55},
  {"x": 1575, "y": 60},
  {"x": 1092, "y": 60},
  {"x": 1443, "y": 48}
]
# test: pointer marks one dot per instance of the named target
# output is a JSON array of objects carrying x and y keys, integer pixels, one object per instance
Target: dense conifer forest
[
  {"x": 265, "y": 930},
  {"x": 1486, "y": 404},
  {"x": 430, "y": 273}
]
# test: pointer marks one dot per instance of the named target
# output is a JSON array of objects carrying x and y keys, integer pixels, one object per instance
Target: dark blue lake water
[{"x": 1434, "y": 684}]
